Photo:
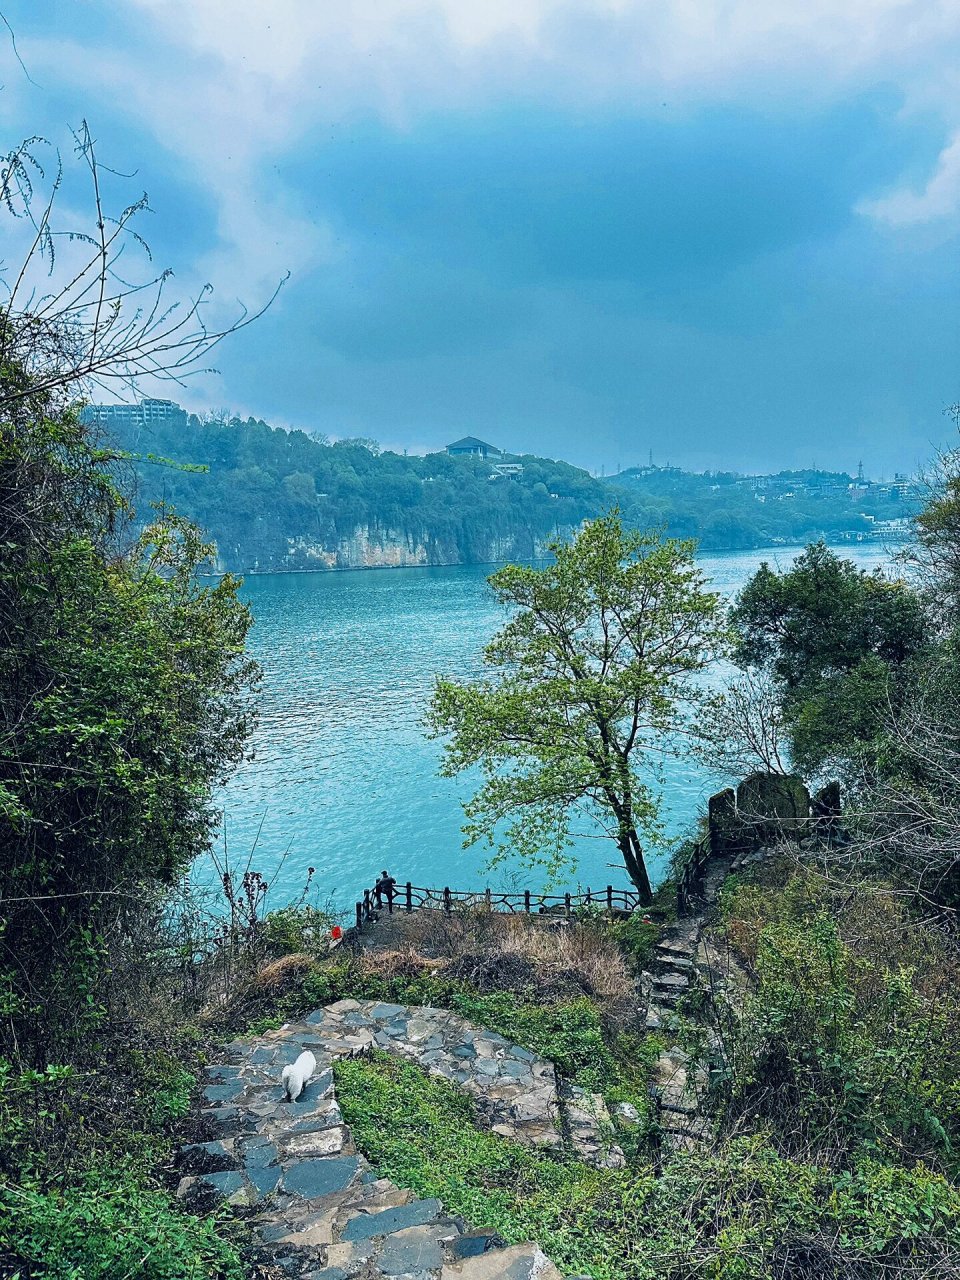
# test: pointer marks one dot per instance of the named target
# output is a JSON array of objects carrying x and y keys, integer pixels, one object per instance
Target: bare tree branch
[{"x": 95, "y": 328}]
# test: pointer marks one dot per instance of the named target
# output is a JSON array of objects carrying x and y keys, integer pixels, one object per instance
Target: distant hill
[
  {"x": 277, "y": 499},
  {"x": 727, "y": 510}
]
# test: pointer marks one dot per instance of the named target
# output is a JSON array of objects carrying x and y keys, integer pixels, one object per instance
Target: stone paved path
[{"x": 322, "y": 1211}]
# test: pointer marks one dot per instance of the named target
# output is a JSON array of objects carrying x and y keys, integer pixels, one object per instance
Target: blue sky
[{"x": 726, "y": 232}]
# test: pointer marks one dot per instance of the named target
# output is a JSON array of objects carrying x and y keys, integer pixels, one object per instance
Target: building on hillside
[
  {"x": 498, "y": 469},
  {"x": 148, "y": 413},
  {"x": 470, "y": 446}
]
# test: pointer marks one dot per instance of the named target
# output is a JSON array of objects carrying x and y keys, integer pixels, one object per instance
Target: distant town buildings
[
  {"x": 471, "y": 446},
  {"x": 131, "y": 416}
]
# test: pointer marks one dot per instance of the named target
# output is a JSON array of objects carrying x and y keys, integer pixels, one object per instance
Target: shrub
[
  {"x": 851, "y": 1041},
  {"x": 300, "y": 928},
  {"x": 741, "y": 1212},
  {"x": 108, "y": 1226}
]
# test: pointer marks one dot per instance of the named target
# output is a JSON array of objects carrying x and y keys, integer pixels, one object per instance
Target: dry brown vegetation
[{"x": 496, "y": 951}]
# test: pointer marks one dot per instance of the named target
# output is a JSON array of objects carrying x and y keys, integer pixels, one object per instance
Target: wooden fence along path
[
  {"x": 393, "y": 895},
  {"x": 410, "y": 897}
]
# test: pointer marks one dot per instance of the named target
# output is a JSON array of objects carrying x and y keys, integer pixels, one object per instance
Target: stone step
[
  {"x": 678, "y": 1108},
  {"x": 681, "y": 947},
  {"x": 590, "y": 1127},
  {"x": 671, "y": 982},
  {"x": 679, "y": 964},
  {"x": 668, "y": 998},
  {"x": 517, "y": 1262}
]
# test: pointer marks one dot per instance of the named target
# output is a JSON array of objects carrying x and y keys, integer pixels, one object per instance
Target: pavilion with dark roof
[{"x": 470, "y": 445}]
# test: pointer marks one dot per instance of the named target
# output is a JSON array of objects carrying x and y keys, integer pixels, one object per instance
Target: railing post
[
  {"x": 486, "y": 894},
  {"x": 359, "y": 916},
  {"x": 589, "y": 899},
  {"x": 446, "y": 899},
  {"x": 390, "y": 892},
  {"x": 409, "y": 896},
  {"x": 526, "y": 901},
  {"x": 366, "y": 904},
  {"x": 566, "y": 905},
  {"x": 610, "y": 898}
]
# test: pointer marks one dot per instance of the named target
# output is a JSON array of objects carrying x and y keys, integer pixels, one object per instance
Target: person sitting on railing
[{"x": 385, "y": 887}]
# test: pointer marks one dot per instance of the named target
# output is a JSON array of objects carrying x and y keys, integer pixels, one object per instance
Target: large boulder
[
  {"x": 772, "y": 805},
  {"x": 726, "y": 835}
]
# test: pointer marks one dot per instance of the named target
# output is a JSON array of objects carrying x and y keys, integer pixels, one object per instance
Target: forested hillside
[{"x": 273, "y": 499}]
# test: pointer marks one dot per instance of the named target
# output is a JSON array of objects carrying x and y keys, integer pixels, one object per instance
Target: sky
[{"x": 723, "y": 232}]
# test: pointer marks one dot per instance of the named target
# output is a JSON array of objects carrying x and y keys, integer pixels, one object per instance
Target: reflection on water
[{"x": 343, "y": 779}]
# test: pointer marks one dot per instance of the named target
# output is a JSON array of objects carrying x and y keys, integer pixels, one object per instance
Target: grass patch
[
  {"x": 110, "y": 1225},
  {"x": 420, "y": 1132}
]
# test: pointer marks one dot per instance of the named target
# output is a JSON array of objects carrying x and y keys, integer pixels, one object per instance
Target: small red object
[{"x": 336, "y": 932}]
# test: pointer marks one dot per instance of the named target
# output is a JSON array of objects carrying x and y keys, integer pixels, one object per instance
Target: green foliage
[
  {"x": 78, "y": 1196},
  {"x": 568, "y": 1033},
  {"x": 296, "y": 928},
  {"x": 742, "y": 1212},
  {"x": 258, "y": 489},
  {"x": 637, "y": 937},
  {"x": 108, "y": 1226},
  {"x": 843, "y": 1045},
  {"x": 936, "y": 547},
  {"x": 124, "y": 700},
  {"x": 123, "y": 695},
  {"x": 593, "y": 667},
  {"x": 838, "y": 643}
]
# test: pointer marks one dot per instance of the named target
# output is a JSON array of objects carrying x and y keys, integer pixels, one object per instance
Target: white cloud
[
  {"x": 228, "y": 85},
  {"x": 939, "y": 199}
]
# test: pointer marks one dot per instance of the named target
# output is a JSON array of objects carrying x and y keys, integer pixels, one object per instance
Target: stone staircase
[
  {"x": 679, "y": 960},
  {"x": 319, "y": 1209}
]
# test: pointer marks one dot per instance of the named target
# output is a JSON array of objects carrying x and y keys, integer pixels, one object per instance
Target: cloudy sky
[{"x": 725, "y": 231}]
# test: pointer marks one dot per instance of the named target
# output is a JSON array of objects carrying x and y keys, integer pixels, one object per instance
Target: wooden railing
[
  {"x": 411, "y": 897},
  {"x": 396, "y": 896},
  {"x": 690, "y": 883}
]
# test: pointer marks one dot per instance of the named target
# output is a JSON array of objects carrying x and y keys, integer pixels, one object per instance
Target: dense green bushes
[
  {"x": 838, "y": 643},
  {"x": 122, "y": 701},
  {"x": 849, "y": 1045},
  {"x": 743, "y": 1212},
  {"x": 105, "y": 1226}
]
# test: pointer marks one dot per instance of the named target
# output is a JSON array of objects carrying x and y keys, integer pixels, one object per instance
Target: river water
[{"x": 343, "y": 778}]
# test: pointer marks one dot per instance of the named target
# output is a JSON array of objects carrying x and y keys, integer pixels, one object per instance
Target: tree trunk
[{"x": 629, "y": 845}]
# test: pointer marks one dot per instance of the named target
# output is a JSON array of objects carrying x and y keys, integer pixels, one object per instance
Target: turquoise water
[{"x": 343, "y": 779}]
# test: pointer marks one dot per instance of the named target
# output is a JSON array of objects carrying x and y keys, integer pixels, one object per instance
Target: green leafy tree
[
  {"x": 124, "y": 698},
  {"x": 588, "y": 681},
  {"x": 837, "y": 642}
]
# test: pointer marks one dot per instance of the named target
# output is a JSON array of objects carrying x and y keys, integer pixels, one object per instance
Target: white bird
[{"x": 296, "y": 1075}]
